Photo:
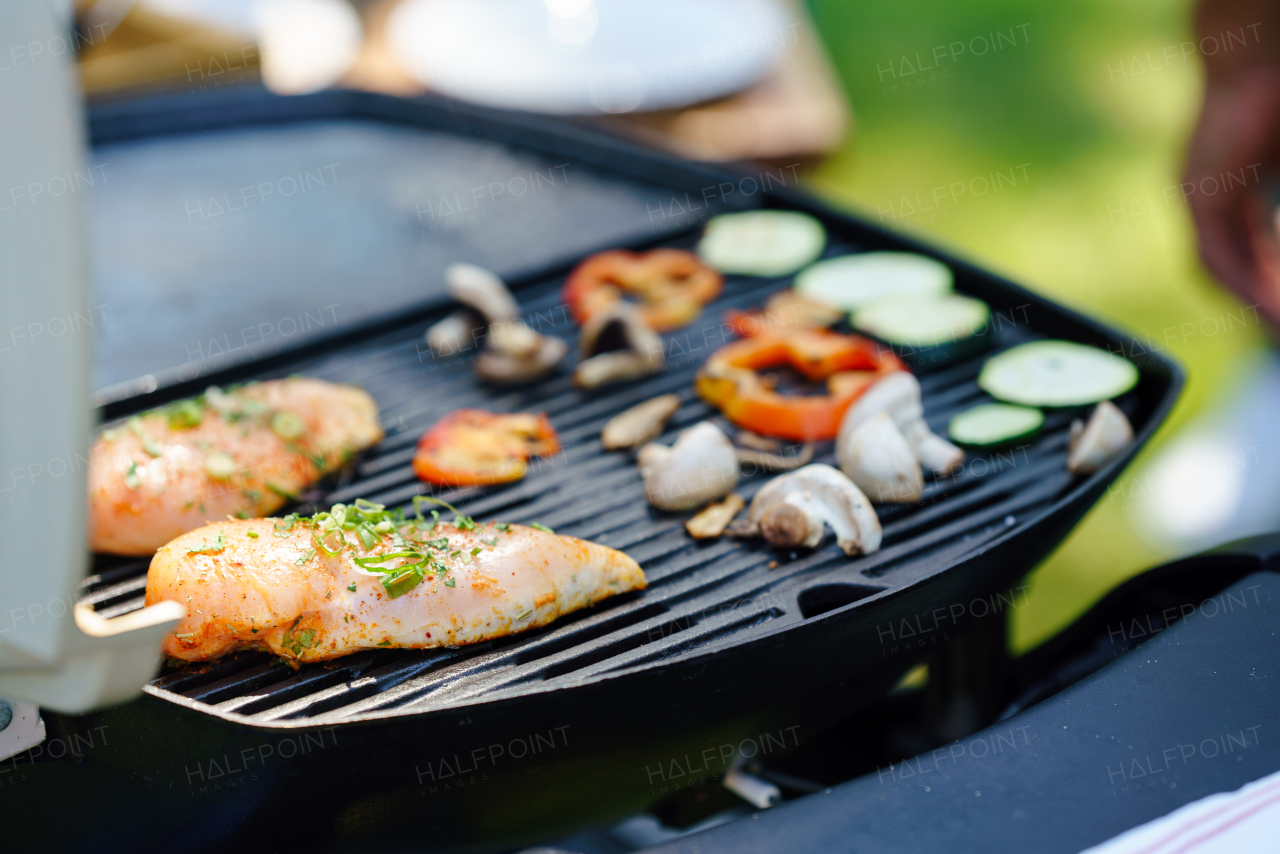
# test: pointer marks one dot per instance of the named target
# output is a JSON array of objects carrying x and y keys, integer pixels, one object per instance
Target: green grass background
[{"x": 1098, "y": 137}]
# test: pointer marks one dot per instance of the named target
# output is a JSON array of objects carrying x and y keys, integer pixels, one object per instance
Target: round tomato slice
[
  {"x": 472, "y": 447},
  {"x": 670, "y": 285},
  {"x": 848, "y": 363}
]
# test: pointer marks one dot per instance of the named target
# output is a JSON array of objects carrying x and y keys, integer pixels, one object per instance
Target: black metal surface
[
  {"x": 1190, "y": 712},
  {"x": 723, "y": 645}
]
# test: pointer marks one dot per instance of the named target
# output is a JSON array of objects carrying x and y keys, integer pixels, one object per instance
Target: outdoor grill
[{"x": 515, "y": 740}]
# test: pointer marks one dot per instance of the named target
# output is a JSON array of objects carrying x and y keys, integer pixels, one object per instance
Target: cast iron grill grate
[{"x": 702, "y": 596}]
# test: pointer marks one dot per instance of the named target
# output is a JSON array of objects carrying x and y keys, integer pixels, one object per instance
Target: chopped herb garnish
[
  {"x": 209, "y": 548},
  {"x": 134, "y": 426},
  {"x": 251, "y": 534},
  {"x": 131, "y": 478},
  {"x": 352, "y": 587},
  {"x": 450, "y": 582},
  {"x": 538, "y": 526},
  {"x": 243, "y": 514},
  {"x": 492, "y": 542},
  {"x": 306, "y": 556},
  {"x": 302, "y": 640},
  {"x": 384, "y": 643},
  {"x": 475, "y": 551},
  {"x": 504, "y": 527}
]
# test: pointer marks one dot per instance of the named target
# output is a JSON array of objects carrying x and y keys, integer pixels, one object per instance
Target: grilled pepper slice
[
  {"x": 472, "y": 447},
  {"x": 848, "y": 363},
  {"x": 671, "y": 285}
]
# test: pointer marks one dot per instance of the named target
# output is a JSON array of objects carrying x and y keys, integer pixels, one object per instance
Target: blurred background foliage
[{"x": 1087, "y": 98}]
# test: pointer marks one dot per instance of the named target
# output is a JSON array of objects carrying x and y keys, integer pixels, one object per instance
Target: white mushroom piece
[
  {"x": 700, "y": 467},
  {"x": 791, "y": 510},
  {"x": 513, "y": 352},
  {"x": 1091, "y": 445},
  {"x": 639, "y": 424},
  {"x": 617, "y": 345},
  {"x": 878, "y": 459},
  {"x": 898, "y": 395}
]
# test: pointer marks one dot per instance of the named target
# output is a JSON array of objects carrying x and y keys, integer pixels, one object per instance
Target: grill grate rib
[{"x": 701, "y": 594}]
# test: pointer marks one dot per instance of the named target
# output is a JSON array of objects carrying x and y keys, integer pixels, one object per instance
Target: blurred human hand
[{"x": 1238, "y": 133}]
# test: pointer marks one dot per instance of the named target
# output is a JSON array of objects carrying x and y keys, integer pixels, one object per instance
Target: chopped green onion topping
[
  {"x": 402, "y": 584},
  {"x": 538, "y": 526},
  {"x": 504, "y": 527},
  {"x": 185, "y": 414},
  {"x": 134, "y": 426},
  {"x": 252, "y": 534},
  {"x": 219, "y": 465},
  {"x": 475, "y": 551},
  {"x": 286, "y": 425},
  {"x": 131, "y": 478}
]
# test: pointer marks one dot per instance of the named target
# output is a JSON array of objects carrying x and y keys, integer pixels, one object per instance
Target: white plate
[{"x": 578, "y": 57}]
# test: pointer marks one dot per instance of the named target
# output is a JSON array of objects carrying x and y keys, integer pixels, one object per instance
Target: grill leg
[{"x": 968, "y": 680}]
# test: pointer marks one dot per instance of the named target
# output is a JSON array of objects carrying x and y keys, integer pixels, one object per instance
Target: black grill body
[{"x": 733, "y": 648}]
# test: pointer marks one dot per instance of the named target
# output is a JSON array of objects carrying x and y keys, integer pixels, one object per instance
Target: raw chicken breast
[
  {"x": 244, "y": 452},
  {"x": 246, "y": 583}
]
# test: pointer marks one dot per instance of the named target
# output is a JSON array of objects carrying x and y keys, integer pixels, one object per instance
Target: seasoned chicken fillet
[
  {"x": 242, "y": 452},
  {"x": 276, "y": 591}
]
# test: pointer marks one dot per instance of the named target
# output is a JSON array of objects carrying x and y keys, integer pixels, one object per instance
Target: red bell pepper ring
[
  {"x": 849, "y": 364},
  {"x": 472, "y": 447}
]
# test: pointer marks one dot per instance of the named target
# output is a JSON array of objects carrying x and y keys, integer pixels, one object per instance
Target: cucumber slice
[
  {"x": 994, "y": 424},
  {"x": 1056, "y": 373},
  {"x": 928, "y": 332},
  {"x": 762, "y": 243},
  {"x": 857, "y": 281}
]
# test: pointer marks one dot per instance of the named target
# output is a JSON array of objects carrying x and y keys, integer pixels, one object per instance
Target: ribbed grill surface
[{"x": 700, "y": 595}]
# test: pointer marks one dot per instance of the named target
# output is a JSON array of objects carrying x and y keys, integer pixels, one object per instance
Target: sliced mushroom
[
  {"x": 495, "y": 366},
  {"x": 698, "y": 468},
  {"x": 514, "y": 352},
  {"x": 617, "y": 345},
  {"x": 482, "y": 290},
  {"x": 790, "y": 511},
  {"x": 455, "y": 333},
  {"x": 764, "y": 461},
  {"x": 1092, "y": 445},
  {"x": 641, "y": 423},
  {"x": 715, "y": 517},
  {"x": 898, "y": 394},
  {"x": 879, "y": 460}
]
